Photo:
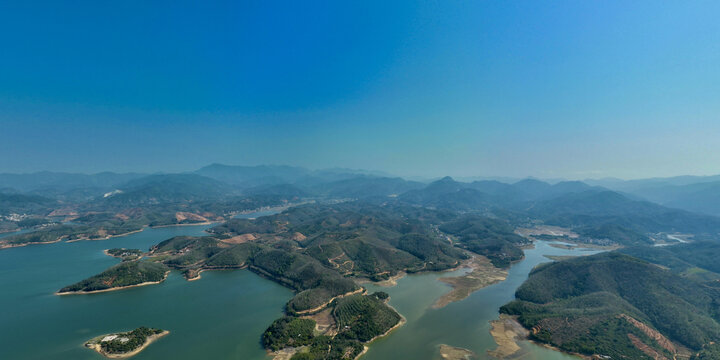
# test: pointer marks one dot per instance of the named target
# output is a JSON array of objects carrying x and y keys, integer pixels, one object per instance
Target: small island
[
  {"x": 124, "y": 254},
  {"x": 126, "y": 344}
]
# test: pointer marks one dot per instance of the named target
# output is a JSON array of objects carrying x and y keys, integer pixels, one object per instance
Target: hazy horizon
[
  {"x": 376, "y": 172},
  {"x": 574, "y": 90},
  {"x": 335, "y": 233}
]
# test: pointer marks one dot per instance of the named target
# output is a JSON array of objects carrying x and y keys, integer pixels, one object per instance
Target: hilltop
[{"x": 616, "y": 305}]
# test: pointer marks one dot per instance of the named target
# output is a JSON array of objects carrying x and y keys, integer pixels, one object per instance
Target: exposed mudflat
[
  {"x": 483, "y": 274},
  {"x": 448, "y": 352},
  {"x": 506, "y": 331}
]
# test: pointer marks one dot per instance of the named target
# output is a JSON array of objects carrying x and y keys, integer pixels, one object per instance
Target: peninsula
[{"x": 124, "y": 275}]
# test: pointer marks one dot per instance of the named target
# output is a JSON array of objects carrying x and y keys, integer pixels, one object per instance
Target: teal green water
[
  {"x": 222, "y": 315},
  {"x": 464, "y": 324}
]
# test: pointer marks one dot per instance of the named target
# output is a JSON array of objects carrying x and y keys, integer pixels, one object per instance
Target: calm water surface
[
  {"x": 464, "y": 324},
  {"x": 222, "y": 315}
]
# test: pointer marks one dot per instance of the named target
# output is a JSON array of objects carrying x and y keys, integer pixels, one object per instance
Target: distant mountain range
[
  {"x": 629, "y": 210},
  {"x": 341, "y": 223},
  {"x": 692, "y": 193},
  {"x": 591, "y": 209},
  {"x": 250, "y": 176},
  {"x": 64, "y": 185},
  {"x": 155, "y": 189}
]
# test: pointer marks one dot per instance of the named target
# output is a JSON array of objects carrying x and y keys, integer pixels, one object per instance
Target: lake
[
  {"x": 464, "y": 324},
  {"x": 222, "y": 315}
]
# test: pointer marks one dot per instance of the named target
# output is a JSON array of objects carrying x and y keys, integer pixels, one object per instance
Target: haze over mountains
[
  {"x": 700, "y": 194},
  {"x": 694, "y": 193},
  {"x": 632, "y": 211},
  {"x": 340, "y": 224}
]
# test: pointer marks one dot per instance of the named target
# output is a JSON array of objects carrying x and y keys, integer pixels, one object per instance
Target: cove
[
  {"x": 221, "y": 316},
  {"x": 465, "y": 323}
]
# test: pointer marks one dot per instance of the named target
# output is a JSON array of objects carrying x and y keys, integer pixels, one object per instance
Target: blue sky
[{"x": 570, "y": 89}]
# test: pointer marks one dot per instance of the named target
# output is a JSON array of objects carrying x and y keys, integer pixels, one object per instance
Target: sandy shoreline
[
  {"x": 448, "y": 352},
  {"x": 10, "y": 246},
  {"x": 392, "y": 281},
  {"x": 107, "y": 237},
  {"x": 226, "y": 268},
  {"x": 483, "y": 274},
  {"x": 399, "y": 324},
  {"x": 114, "y": 288},
  {"x": 287, "y": 353},
  {"x": 196, "y": 277},
  {"x": 150, "y": 339},
  {"x": 508, "y": 332},
  {"x": 324, "y": 305}
]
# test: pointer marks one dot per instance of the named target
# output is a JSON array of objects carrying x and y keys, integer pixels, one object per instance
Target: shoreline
[
  {"x": 149, "y": 340},
  {"x": 201, "y": 270},
  {"x": 392, "y": 281},
  {"x": 481, "y": 275},
  {"x": 288, "y": 352},
  {"x": 120, "y": 257},
  {"x": 507, "y": 333},
  {"x": 196, "y": 277},
  {"x": 572, "y": 244},
  {"x": 278, "y": 208},
  {"x": 174, "y": 225},
  {"x": 107, "y": 237},
  {"x": 82, "y": 292},
  {"x": 361, "y": 290},
  {"x": 448, "y": 352},
  {"x": 366, "y": 345},
  {"x": 10, "y": 246}
]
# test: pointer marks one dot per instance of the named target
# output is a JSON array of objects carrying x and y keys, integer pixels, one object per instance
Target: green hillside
[
  {"x": 584, "y": 305},
  {"x": 25, "y": 204},
  {"x": 126, "y": 273},
  {"x": 697, "y": 261},
  {"x": 489, "y": 237},
  {"x": 361, "y": 317},
  {"x": 357, "y": 239},
  {"x": 358, "y": 319},
  {"x": 156, "y": 189}
]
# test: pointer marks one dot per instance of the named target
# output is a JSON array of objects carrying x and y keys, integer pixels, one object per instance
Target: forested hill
[
  {"x": 591, "y": 210},
  {"x": 25, "y": 204},
  {"x": 693, "y": 193},
  {"x": 377, "y": 241},
  {"x": 603, "y": 207},
  {"x": 110, "y": 204},
  {"x": 695, "y": 261},
  {"x": 315, "y": 248},
  {"x": 157, "y": 189},
  {"x": 619, "y": 306}
]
